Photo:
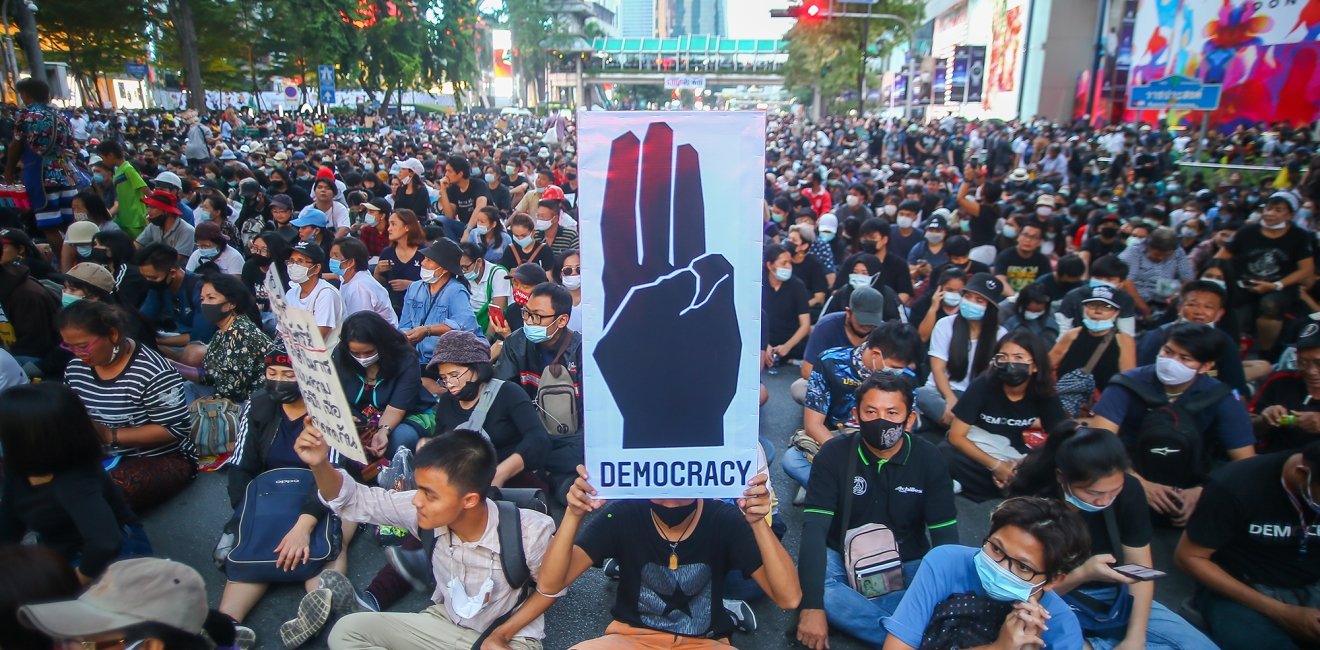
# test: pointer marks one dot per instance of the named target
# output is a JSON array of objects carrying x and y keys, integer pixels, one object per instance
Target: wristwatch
[{"x": 1278, "y": 286}]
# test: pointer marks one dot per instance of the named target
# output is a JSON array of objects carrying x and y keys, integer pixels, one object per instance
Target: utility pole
[
  {"x": 25, "y": 13},
  {"x": 861, "y": 72}
]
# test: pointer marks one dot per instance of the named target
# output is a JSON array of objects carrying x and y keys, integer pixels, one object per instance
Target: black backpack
[{"x": 1170, "y": 449}]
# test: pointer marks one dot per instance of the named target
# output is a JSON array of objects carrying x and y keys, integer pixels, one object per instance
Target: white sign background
[{"x": 731, "y": 149}]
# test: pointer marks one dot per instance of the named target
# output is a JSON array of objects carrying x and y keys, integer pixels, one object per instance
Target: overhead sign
[
  {"x": 317, "y": 377},
  {"x": 325, "y": 74},
  {"x": 1175, "y": 93},
  {"x": 670, "y": 221},
  {"x": 136, "y": 70},
  {"x": 684, "y": 82}
]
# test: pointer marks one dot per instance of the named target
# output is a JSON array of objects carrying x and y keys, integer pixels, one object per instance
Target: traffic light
[{"x": 809, "y": 10}]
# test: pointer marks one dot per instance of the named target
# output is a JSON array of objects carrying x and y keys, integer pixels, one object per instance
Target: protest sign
[
  {"x": 317, "y": 377},
  {"x": 670, "y": 222}
]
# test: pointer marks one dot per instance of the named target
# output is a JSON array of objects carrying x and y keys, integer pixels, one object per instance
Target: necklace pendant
[{"x": 673, "y": 561}]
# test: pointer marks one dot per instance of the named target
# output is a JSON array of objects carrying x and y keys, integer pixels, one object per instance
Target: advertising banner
[{"x": 670, "y": 222}]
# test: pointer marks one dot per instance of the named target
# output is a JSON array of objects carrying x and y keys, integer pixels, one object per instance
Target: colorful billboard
[
  {"x": 1003, "y": 82},
  {"x": 1265, "y": 53}
]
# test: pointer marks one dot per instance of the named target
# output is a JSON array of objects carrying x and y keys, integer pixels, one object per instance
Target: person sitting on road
[
  {"x": 1108, "y": 271},
  {"x": 1088, "y": 470},
  {"x": 912, "y": 497},
  {"x": 860, "y": 270},
  {"x": 961, "y": 348},
  {"x": 174, "y": 305},
  {"x": 268, "y": 428},
  {"x": 231, "y": 367},
  {"x": 830, "y": 402},
  {"x": 1002, "y": 594},
  {"x": 1205, "y": 303},
  {"x": 309, "y": 291},
  {"x": 944, "y": 301},
  {"x": 381, "y": 378},
  {"x": 136, "y": 399},
  {"x": 55, "y": 485},
  {"x": 1245, "y": 545},
  {"x": 698, "y": 540},
  {"x": 441, "y": 301},
  {"x": 785, "y": 305},
  {"x": 453, "y": 473},
  {"x": 360, "y": 291},
  {"x": 1286, "y": 410},
  {"x": 1159, "y": 268},
  {"x": 489, "y": 283},
  {"x": 1098, "y": 335},
  {"x": 806, "y": 267},
  {"x": 1030, "y": 310},
  {"x": 1172, "y": 479},
  {"x": 848, "y": 328},
  {"x": 524, "y": 248},
  {"x": 987, "y": 439}
]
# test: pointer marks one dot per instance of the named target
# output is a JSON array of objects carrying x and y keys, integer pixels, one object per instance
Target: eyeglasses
[
  {"x": 447, "y": 379},
  {"x": 534, "y": 318},
  {"x": 1306, "y": 365},
  {"x": 1018, "y": 567},
  {"x": 469, "y": 268},
  {"x": 571, "y": 270},
  {"x": 83, "y": 349},
  {"x": 1001, "y": 358}
]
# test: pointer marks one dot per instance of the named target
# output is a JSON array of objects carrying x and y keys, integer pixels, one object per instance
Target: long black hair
[
  {"x": 391, "y": 345},
  {"x": 1039, "y": 385},
  {"x": 1080, "y": 454},
  {"x": 236, "y": 294},
  {"x": 961, "y": 340},
  {"x": 47, "y": 429}
]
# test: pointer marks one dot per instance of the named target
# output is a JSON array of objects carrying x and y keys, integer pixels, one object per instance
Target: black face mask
[
  {"x": 100, "y": 256},
  {"x": 284, "y": 392},
  {"x": 214, "y": 313},
  {"x": 160, "y": 285},
  {"x": 159, "y": 222},
  {"x": 881, "y": 433},
  {"x": 468, "y": 392},
  {"x": 674, "y": 516},
  {"x": 1013, "y": 374},
  {"x": 869, "y": 246},
  {"x": 260, "y": 260}
]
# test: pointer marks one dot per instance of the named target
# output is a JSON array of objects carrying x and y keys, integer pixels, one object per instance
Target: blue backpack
[{"x": 271, "y": 505}]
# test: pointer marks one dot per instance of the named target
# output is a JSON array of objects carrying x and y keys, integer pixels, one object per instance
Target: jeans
[
  {"x": 1237, "y": 627},
  {"x": 403, "y": 434},
  {"x": 931, "y": 404},
  {"x": 193, "y": 391},
  {"x": 1165, "y": 630},
  {"x": 796, "y": 465},
  {"x": 853, "y": 613}
]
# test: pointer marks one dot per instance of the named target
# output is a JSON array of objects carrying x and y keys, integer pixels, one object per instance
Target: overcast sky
[{"x": 751, "y": 19}]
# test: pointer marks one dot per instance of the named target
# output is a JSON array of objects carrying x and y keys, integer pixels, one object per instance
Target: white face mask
[
  {"x": 859, "y": 280},
  {"x": 429, "y": 276},
  {"x": 298, "y": 273},
  {"x": 905, "y": 222},
  {"x": 1032, "y": 315},
  {"x": 542, "y": 224},
  {"x": 464, "y": 605},
  {"x": 1171, "y": 372},
  {"x": 366, "y": 362},
  {"x": 891, "y": 210},
  {"x": 852, "y": 200},
  {"x": 572, "y": 282},
  {"x": 1047, "y": 248}
]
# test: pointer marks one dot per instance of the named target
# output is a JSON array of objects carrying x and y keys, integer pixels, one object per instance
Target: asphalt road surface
[{"x": 186, "y": 530}]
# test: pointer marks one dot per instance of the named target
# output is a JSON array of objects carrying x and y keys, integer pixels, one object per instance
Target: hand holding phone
[{"x": 1138, "y": 572}]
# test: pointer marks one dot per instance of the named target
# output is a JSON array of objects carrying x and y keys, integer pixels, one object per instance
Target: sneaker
[
  {"x": 344, "y": 598},
  {"x": 801, "y": 496},
  {"x": 313, "y": 612},
  {"x": 398, "y": 476},
  {"x": 244, "y": 637},
  {"x": 957, "y": 487},
  {"x": 611, "y": 569},
  {"x": 413, "y": 565},
  {"x": 743, "y": 617}
]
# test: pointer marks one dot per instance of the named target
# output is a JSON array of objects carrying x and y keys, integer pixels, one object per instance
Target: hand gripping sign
[
  {"x": 671, "y": 246},
  {"x": 317, "y": 378}
]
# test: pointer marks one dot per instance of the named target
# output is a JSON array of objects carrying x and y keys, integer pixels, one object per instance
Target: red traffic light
[{"x": 812, "y": 9}]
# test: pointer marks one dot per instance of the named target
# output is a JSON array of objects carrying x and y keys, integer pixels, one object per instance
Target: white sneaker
[
  {"x": 743, "y": 617},
  {"x": 957, "y": 487},
  {"x": 801, "y": 496}
]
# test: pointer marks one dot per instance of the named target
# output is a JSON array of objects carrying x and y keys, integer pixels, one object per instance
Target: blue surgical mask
[
  {"x": 1010, "y": 232},
  {"x": 999, "y": 583},
  {"x": 1097, "y": 283},
  {"x": 1079, "y": 504},
  {"x": 523, "y": 242},
  {"x": 783, "y": 274},
  {"x": 827, "y": 237},
  {"x": 98, "y": 178},
  {"x": 84, "y": 251},
  {"x": 1098, "y": 325},
  {"x": 480, "y": 230},
  {"x": 536, "y": 333},
  {"x": 208, "y": 253},
  {"x": 68, "y": 299},
  {"x": 337, "y": 267},
  {"x": 471, "y": 276},
  {"x": 971, "y": 310}
]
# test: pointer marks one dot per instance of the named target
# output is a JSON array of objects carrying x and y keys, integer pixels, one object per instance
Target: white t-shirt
[
  {"x": 337, "y": 217},
  {"x": 939, "y": 348},
  {"x": 230, "y": 261},
  {"x": 324, "y": 303},
  {"x": 493, "y": 275},
  {"x": 364, "y": 293}
]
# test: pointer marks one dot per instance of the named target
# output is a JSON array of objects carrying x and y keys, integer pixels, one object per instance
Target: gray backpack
[{"x": 556, "y": 397}]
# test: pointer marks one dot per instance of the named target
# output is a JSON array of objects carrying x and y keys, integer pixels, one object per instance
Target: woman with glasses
[
  {"x": 266, "y": 249},
  {"x": 1087, "y": 469},
  {"x": 381, "y": 378},
  {"x": 1000, "y": 595},
  {"x": 489, "y": 283},
  {"x": 1015, "y": 393},
  {"x": 136, "y": 400},
  {"x": 568, "y": 273}
]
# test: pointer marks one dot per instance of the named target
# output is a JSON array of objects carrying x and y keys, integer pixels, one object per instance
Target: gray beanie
[{"x": 461, "y": 347}]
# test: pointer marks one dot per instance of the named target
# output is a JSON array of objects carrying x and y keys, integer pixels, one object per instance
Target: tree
[
  {"x": 823, "y": 54},
  {"x": 93, "y": 43},
  {"x": 181, "y": 15}
]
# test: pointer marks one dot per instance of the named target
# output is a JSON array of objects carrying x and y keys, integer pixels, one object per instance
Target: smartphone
[
  {"x": 497, "y": 318},
  {"x": 1138, "y": 572},
  {"x": 1246, "y": 284}
]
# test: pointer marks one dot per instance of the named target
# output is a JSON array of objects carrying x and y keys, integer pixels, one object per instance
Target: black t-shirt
[
  {"x": 984, "y": 405},
  {"x": 909, "y": 493},
  {"x": 512, "y": 424},
  {"x": 1253, "y": 527},
  {"x": 1055, "y": 289},
  {"x": 687, "y": 601},
  {"x": 502, "y": 198},
  {"x": 781, "y": 309},
  {"x": 465, "y": 202},
  {"x": 983, "y": 225},
  {"x": 1131, "y": 514},
  {"x": 1286, "y": 389},
  {"x": 1257, "y": 257},
  {"x": 894, "y": 273},
  {"x": 1021, "y": 271},
  {"x": 812, "y": 273}
]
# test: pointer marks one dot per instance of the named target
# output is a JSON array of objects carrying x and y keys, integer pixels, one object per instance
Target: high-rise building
[
  {"x": 637, "y": 18},
  {"x": 694, "y": 17}
]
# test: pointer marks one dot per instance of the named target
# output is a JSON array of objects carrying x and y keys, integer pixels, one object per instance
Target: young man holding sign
[
  {"x": 453, "y": 474},
  {"x": 673, "y": 555}
]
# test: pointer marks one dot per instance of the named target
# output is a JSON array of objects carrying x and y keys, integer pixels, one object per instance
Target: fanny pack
[
  {"x": 871, "y": 560},
  {"x": 1098, "y": 615}
]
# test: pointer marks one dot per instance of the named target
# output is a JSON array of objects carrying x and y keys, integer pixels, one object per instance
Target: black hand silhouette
[{"x": 671, "y": 344}]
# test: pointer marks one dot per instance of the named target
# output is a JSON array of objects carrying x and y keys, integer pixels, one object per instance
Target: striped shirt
[{"x": 147, "y": 391}]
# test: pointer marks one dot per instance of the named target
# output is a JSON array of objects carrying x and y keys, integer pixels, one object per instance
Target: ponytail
[{"x": 1080, "y": 454}]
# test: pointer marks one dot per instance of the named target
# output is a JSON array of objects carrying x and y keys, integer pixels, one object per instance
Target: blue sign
[
  {"x": 136, "y": 70},
  {"x": 326, "y": 75},
  {"x": 1175, "y": 93}
]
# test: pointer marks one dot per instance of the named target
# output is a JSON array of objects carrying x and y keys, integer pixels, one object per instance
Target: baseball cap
[
  {"x": 530, "y": 274},
  {"x": 1310, "y": 337},
  {"x": 828, "y": 223},
  {"x": 281, "y": 201},
  {"x": 310, "y": 217},
  {"x": 81, "y": 232},
  {"x": 143, "y": 590},
  {"x": 249, "y": 187},
  {"x": 88, "y": 273},
  {"x": 938, "y": 221},
  {"x": 414, "y": 165},
  {"x": 378, "y": 205},
  {"x": 311, "y": 250},
  {"x": 1103, "y": 294},
  {"x": 1045, "y": 200},
  {"x": 168, "y": 178},
  {"x": 867, "y": 306},
  {"x": 1284, "y": 197}
]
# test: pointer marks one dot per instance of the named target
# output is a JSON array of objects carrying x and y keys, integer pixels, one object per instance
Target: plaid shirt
[{"x": 374, "y": 239}]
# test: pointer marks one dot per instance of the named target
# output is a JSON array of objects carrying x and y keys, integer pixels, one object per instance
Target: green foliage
[
  {"x": 826, "y": 51},
  {"x": 94, "y": 43}
]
